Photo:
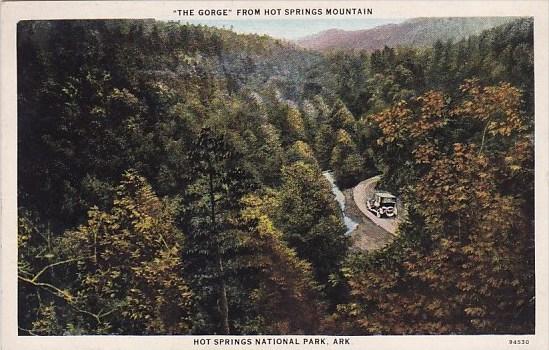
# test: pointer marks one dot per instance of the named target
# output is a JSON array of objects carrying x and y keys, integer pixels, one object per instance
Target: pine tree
[
  {"x": 215, "y": 195},
  {"x": 309, "y": 219},
  {"x": 347, "y": 163}
]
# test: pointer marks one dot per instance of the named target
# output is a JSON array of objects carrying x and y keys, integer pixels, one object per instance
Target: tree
[
  {"x": 341, "y": 118},
  {"x": 215, "y": 195},
  {"x": 497, "y": 107},
  {"x": 301, "y": 151},
  {"x": 310, "y": 221},
  {"x": 286, "y": 296},
  {"x": 272, "y": 154},
  {"x": 464, "y": 261},
  {"x": 296, "y": 128},
  {"x": 117, "y": 263},
  {"x": 221, "y": 125},
  {"x": 323, "y": 145},
  {"x": 346, "y": 162}
]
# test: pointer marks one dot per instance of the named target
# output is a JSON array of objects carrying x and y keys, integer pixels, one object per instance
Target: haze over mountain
[{"x": 416, "y": 32}]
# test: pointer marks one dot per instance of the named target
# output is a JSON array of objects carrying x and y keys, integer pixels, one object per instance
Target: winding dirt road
[
  {"x": 367, "y": 236},
  {"x": 364, "y": 191}
]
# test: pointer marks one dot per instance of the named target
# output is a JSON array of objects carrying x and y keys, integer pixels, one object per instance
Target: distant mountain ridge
[{"x": 416, "y": 32}]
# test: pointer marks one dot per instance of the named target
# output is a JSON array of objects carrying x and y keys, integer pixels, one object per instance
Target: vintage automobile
[{"x": 382, "y": 204}]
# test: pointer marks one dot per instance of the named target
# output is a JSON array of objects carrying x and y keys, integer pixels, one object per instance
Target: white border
[{"x": 12, "y": 12}]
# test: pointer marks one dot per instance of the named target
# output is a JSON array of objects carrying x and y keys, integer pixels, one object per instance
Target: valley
[{"x": 179, "y": 179}]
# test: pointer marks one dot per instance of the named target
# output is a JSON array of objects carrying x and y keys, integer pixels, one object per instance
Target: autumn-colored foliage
[
  {"x": 463, "y": 264},
  {"x": 225, "y": 223},
  {"x": 284, "y": 278},
  {"x": 125, "y": 268}
]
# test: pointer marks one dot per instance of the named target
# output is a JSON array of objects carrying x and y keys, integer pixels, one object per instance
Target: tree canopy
[{"x": 170, "y": 181}]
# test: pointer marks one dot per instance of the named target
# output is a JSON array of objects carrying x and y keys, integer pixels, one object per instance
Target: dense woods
[{"x": 170, "y": 182}]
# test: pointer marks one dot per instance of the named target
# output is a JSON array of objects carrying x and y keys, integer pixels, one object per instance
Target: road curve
[{"x": 364, "y": 191}]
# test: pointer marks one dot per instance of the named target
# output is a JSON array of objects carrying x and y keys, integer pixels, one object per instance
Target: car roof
[{"x": 384, "y": 194}]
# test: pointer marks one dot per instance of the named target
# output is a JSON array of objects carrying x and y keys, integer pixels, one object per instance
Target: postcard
[{"x": 274, "y": 175}]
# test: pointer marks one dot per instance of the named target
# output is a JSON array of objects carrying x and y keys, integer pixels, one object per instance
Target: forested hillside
[
  {"x": 170, "y": 182},
  {"x": 415, "y": 32}
]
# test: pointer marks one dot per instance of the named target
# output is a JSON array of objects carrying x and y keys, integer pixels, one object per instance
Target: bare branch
[
  {"x": 28, "y": 331},
  {"x": 67, "y": 297},
  {"x": 49, "y": 287},
  {"x": 55, "y": 264}
]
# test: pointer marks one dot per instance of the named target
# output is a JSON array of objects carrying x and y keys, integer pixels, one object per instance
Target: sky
[{"x": 291, "y": 29}]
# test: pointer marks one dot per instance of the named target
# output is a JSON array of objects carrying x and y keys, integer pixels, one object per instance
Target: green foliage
[
  {"x": 227, "y": 225},
  {"x": 214, "y": 200},
  {"x": 348, "y": 165},
  {"x": 324, "y": 143},
  {"x": 283, "y": 278},
  {"x": 472, "y": 272},
  {"x": 307, "y": 215},
  {"x": 301, "y": 151},
  {"x": 341, "y": 118},
  {"x": 370, "y": 84},
  {"x": 119, "y": 261}
]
